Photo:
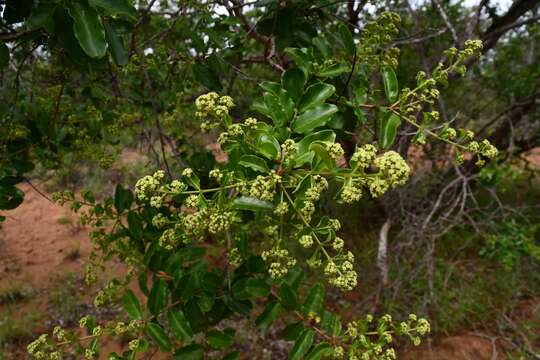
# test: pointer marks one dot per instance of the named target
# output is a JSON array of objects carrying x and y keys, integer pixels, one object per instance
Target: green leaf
[
  {"x": 190, "y": 352},
  {"x": 219, "y": 339},
  {"x": 115, "y": 7},
  {"x": 301, "y": 345},
  {"x": 10, "y": 197},
  {"x": 320, "y": 149},
  {"x": 280, "y": 107},
  {"x": 304, "y": 155},
  {"x": 314, "y": 118},
  {"x": 347, "y": 39},
  {"x": 292, "y": 331},
  {"x": 257, "y": 287},
  {"x": 206, "y": 76},
  {"x": 116, "y": 46},
  {"x": 253, "y": 162},
  {"x": 390, "y": 82},
  {"x": 269, "y": 315},
  {"x": 179, "y": 324},
  {"x": 235, "y": 355},
  {"x": 271, "y": 87},
  {"x": 388, "y": 130},
  {"x": 159, "y": 296},
  {"x": 334, "y": 70},
  {"x": 293, "y": 81},
  {"x": 315, "y": 95},
  {"x": 157, "y": 333},
  {"x": 132, "y": 305},
  {"x": 314, "y": 300},
  {"x": 253, "y": 204},
  {"x": 267, "y": 145},
  {"x": 322, "y": 349},
  {"x": 88, "y": 28},
  {"x": 122, "y": 199},
  {"x": 288, "y": 297},
  {"x": 41, "y": 17},
  {"x": 294, "y": 277}
]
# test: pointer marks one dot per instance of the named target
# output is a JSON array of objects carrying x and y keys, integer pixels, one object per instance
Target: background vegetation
[{"x": 97, "y": 93}]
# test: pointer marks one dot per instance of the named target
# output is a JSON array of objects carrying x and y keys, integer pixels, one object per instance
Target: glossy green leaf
[
  {"x": 122, "y": 199},
  {"x": 159, "y": 296},
  {"x": 219, "y": 339},
  {"x": 314, "y": 118},
  {"x": 267, "y": 145},
  {"x": 88, "y": 28},
  {"x": 388, "y": 130},
  {"x": 288, "y": 297},
  {"x": 315, "y": 95},
  {"x": 179, "y": 324},
  {"x": 319, "y": 351},
  {"x": 41, "y": 17},
  {"x": 10, "y": 197},
  {"x": 131, "y": 305},
  {"x": 280, "y": 106},
  {"x": 116, "y": 46},
  {"x": 253, "y": 204},
  {"x": 347, "y": 39},
  {"x": 253, "y": 162},
  {"x": 269, "y": 315},
  {"x": 294, "y": 277},
  {"x": 293, "y": 81},
  {"x": 390, "y": 82},
  {"x": 320, "y": 150},
  {"x": 292, "y": 331},
  {"x": 271, "y": 87},
  {"x": 304, "y": 155},
  {"x": 190, "y": 352},
  {"x": 257, "y": 287},
  {"x": 115, "y": 7},
  {"x": 301, "y": 345},
  {"x": 314, "y": 300},
  {"x": 334, "y": 70},
  {"x": 157, "y": 333}
]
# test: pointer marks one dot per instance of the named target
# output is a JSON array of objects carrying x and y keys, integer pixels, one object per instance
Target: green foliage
[
  {"x": 512, "y": 242},
  {"x": 300, "y": 141}
]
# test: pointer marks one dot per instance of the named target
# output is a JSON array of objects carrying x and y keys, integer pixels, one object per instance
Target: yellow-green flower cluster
[
  {"x": 41, "y": 348},
  {"x": 393, "y": 168},
  {"x": 264, "y": 187},
  {"x": 145, "y": 187},
  {"x": 340, "y": 272},
  {"x": 363, "y": 156},
  {"x": 351, "y": 194},
  {"x": 334, "y": 150},
  {"x": 279, "y": 262},
  {"x": 211, "y": 104},
  {"x": 281, "y": 209},
  {"x": 170, "y": 239},
  {"x": 235, "y": 258},
  {"x": 319, "y": 184},
  {"x": 306, "y": 241}
]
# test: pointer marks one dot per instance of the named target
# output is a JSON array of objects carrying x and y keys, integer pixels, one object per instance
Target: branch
[
  {"x": 8, "y": 37},
  {"x": 506, "y": 22},
  {"x": 447, "y": 21}
]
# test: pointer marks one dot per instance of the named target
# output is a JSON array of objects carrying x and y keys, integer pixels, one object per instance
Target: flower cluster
[
  {"x": 363, "y": 156},
  {"x": 334, "y": 150},
  {"x": 279, "y": 262},
  {"x": 145, "y": 187},
  {"x": 377, "y": 345},
  {"x": 340, "y": 271},
  {"x": 392, "y": 171},
  {"x": 264, "y": 187}
]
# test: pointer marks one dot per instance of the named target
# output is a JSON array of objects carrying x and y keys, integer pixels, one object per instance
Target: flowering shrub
[{"x": 262, "y": 211}]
